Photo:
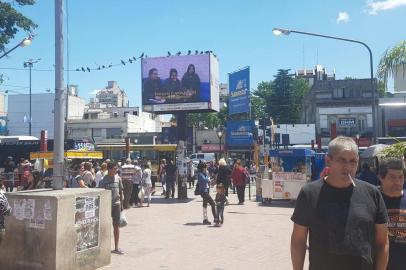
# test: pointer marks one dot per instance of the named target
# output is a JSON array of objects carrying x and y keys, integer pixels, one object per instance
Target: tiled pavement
[{"x": 169, "y": 235}]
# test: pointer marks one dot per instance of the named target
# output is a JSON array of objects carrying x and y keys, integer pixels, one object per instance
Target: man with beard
[
  {"x": 172, "y": 86},
  {"x": 152, "y": 88}
]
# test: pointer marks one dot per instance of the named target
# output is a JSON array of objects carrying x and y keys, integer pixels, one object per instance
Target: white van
[{"x": 196, "y": 157}]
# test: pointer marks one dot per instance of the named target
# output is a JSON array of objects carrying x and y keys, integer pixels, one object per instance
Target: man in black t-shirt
[
  {"x": 344, "y": 218},
  {"x": 391, "y": 174}
]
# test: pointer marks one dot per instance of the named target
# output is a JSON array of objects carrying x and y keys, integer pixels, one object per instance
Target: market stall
[{"x": 290, "y": 170}]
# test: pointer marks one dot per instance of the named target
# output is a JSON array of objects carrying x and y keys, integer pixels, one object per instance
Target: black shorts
[{"x": 115, "y": 214}]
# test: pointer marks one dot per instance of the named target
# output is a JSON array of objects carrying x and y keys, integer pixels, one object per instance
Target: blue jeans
[
  {"x": 208, "y": 200},
  {"x": 220, "y": 213}
]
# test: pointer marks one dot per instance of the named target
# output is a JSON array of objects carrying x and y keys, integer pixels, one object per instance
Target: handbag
[
  {"x": 123, "y": 220},
  {"x": 197, "y": 189},
  {"x": 141, "y": 194}
]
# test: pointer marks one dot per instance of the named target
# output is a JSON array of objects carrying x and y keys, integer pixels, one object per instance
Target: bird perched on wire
[
  {"x": 122, "y": 62},
  {"x": 189, "y": 52},
  {"x": 129, "y": 60},
  {"x": 135, "y": 59},
  {"x": 178, "y": 53},
  {"x": 196, "y": 52},
  {"x": 88, "y": 69},
  {"x": 142, "y": 55},
  {"x": 77, "y": 69},
  {"x": 169, "y": 53},
  {"x": 83, "y": 69}
]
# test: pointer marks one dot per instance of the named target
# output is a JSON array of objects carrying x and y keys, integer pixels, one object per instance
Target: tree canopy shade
[
  {"x": 392, "y": 62},
  {"x": 12, "y": 21},
  {"x": 284, "y": 104}
]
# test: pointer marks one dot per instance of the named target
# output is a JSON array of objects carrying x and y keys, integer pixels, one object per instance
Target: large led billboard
[{"x": 180, "y": 83}]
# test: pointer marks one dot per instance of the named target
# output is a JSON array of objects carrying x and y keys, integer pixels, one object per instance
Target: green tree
[
  {"x": 392, "y": 62},
  {"x": 258, "y": 100},
  {"x": 210, "y": 120},
  {"x": 284, "y": 104},
  {"x": 13, "y": 21}
]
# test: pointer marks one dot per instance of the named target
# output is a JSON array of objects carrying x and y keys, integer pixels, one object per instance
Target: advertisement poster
[
  {"x": 240, "y": 133},
  {"x": 178, "y": 83},
  {"x": 239, "y": 85},
  {"x": 87, "y": 222}
]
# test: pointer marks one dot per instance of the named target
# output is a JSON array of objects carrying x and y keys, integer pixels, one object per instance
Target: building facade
[
  {"x": 42, "y": 113},
  {"x": 392, "y": 115},
  {"x": 112, "y": 125},
  {"x": 340, "y": 107},
  {"x": 112, "y": 96}
]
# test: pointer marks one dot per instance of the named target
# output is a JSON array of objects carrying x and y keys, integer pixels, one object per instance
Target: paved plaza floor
[{"x": 169, "y": 235}]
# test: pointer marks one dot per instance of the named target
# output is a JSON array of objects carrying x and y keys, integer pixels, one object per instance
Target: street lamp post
[
  {"x": 30, "y": 64},
  {"x": 23, "y": 43},
  {"x": 280, "y": 31}
]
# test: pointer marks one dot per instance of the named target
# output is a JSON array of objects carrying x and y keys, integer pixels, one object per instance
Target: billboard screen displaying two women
[{"x": 180, "y": 83}]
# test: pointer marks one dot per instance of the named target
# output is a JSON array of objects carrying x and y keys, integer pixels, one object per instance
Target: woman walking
[
  {"x": 146, "y": 176},
  {"x": 223, "y": 175},
  {"x": 204, "y": 189},
  {"x": 161, "y": 173},
  {"x": 238, "y": 177}
]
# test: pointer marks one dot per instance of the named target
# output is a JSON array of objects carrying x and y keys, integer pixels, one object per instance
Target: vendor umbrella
[{"x": 373, "y": 150}]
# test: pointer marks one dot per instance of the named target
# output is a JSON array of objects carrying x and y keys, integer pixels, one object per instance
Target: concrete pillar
[{"x": 57, "y": 230}]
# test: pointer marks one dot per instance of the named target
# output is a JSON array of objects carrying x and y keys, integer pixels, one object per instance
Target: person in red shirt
[{"x": 238, "y": 176}]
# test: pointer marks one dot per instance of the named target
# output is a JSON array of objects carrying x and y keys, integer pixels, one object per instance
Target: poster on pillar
[
  {"x": 180, "y": 83},
  {"x": 240, "y": 133},
  {"x": 181, "y": 164}
]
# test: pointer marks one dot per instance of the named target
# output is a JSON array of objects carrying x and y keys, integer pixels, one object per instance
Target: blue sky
[{"x": 239, "y": 32}]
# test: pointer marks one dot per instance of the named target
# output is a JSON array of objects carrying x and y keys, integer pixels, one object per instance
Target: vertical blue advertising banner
[
  {"x": 239, "y": 85},
  {"x": 240, "y": 133}
]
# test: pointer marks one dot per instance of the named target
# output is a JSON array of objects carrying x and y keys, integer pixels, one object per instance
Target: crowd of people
[{"x": 344, "y": 219}]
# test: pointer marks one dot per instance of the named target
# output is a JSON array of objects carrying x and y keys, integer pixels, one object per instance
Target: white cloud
[
  {"x": 94, "y": 92},
  {"x": 375, "y": 7},
  {"x": 343, "y": 17}
]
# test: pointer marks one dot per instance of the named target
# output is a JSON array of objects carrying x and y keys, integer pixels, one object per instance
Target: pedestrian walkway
[{"x": 169, "y": 235}]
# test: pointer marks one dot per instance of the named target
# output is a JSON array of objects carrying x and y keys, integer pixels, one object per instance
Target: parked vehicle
[{"x": 196, "y": 157}]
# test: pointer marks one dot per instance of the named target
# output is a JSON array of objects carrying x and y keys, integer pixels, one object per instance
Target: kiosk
[{"x": 290, "y": 170}]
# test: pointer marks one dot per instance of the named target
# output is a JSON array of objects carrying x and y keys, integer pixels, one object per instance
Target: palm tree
[{"x": 392, "y": 62}]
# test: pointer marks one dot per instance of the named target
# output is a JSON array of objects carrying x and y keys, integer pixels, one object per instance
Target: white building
[
  {"x": 109, "y": 125},
  {"x": 42, "y": 113},
  {"x": 111, "y": 96}
]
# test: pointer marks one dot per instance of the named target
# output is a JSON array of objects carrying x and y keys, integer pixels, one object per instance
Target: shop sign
[{"x": 346, "y": 122}]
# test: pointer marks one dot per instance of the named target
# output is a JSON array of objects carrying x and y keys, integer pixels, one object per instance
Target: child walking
[{"x": 221, "y": 200}]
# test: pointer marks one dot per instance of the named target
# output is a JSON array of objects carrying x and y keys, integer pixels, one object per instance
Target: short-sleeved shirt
[
  {"x": 127, "y": 172},
  {"x": 114, "y": 184},
  {"x": 88, "y": 178},
  {"x": 341, "y": 223},
  {"x": 397, "y": 231}
]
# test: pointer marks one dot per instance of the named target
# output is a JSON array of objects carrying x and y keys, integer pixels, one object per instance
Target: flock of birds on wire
[{"x": 134, "y": 59}]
